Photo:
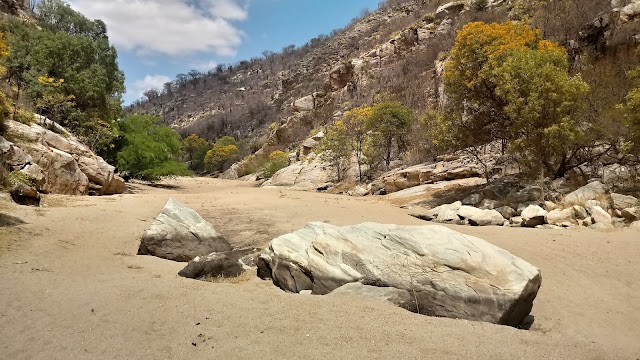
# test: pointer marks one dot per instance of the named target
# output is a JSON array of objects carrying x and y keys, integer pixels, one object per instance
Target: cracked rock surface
[{"x": 431, "y": 270}]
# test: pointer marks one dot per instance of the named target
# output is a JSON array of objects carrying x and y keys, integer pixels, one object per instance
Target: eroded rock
[{"x": 449, "y": 274}]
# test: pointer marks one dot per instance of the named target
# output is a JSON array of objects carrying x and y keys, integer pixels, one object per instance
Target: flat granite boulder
[
  {"x": 181, "y": 234},
  {"x": 431, "y": 270}
]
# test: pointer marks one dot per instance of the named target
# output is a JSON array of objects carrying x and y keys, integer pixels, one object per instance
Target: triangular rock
[{"x": 180, "y": 234}]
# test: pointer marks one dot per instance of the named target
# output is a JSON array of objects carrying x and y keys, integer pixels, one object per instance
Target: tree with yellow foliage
[
  {"x": 355, "y": 126},
  {"x": 4, "y": 103},
  {"x": 505, "y": 83}
]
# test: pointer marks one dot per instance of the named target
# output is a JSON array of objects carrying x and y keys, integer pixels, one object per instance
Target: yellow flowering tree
[
  {"x": 503, "y": 82},
  {"x": 4, "y": 103},
  {"x": 53, "y": 101}
]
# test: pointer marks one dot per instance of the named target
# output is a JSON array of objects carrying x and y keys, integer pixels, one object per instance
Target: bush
[
  {"x": 220, "y": 156},
  {"x": 278, "y": 160},
  {"x": 150, "y": 149},
  {"x": 24, "y": 116}
]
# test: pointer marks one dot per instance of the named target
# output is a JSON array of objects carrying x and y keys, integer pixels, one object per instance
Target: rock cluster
[
  {"x": 430, "y": 270},
  {"x": 589, "y": 206},
  {"x": 56, "y": 162}
]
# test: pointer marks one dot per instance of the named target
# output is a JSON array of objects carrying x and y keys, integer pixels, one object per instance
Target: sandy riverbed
[{"x": 71, "y": 287}]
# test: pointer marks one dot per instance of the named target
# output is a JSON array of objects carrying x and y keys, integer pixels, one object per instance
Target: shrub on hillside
[{"x": 278, "y": 160}]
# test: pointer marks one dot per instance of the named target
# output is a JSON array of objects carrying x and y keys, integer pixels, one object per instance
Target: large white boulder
[
  {"x": 181, "y": 234},
  {"x": 592, "y": 191},
  {"x": 302, "y": 176},
  {"x": 428, "y": 269}
]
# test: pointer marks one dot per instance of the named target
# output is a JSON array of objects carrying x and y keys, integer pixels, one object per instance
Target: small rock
[
  {"x": 580, "y": 212},
  {"x": 635, "y": 225},
  {"x": 506, "y": 212},
  {"x": 557, "y": 217},
  {"x": 631, "y": 214},
  {"x": 550, "y": 206},
  {"x": 621, "y": 202},
  {"x": 25, "y": 195},
  {"x": 601, "y": 226},
  {"x": 473, "y": 200},
  {"x": 599, "y": 216},
  {"x": 533, "y": 216},
  {"x": 489, "y": 204}
]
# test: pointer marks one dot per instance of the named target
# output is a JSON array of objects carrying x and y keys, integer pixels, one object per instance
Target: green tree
[
  {"x": 391, "y": 122},
  {"x": 4, "y": 103},
  {"x": 57, "y": 15},
  {"x": 66, "y": 45},
  {"x": 151, "y": 150},
  {"x": 191, "y": 144},
  {"x": 542, "y": 101},
  {"x": 505, "y": 83},
  {"x": 631, "y": 109},
  {"x": 336, "y": 148},
  {"x": 355, "y": 124}
]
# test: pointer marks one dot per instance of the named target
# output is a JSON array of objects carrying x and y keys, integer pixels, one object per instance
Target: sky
[{"x": 157, "y": 39}]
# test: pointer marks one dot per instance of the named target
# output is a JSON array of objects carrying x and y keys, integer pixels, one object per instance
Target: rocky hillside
[{"x": 273, "y": 102}]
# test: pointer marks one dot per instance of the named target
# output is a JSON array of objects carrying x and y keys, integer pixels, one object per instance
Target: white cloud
[
  {"x": 171, "y": 27},
  {"x": 204, "y": 66},
  {"x": 149, "y": 82}
]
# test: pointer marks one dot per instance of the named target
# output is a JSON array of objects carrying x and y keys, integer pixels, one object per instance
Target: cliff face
[
  {"x": 16, "y": 8},
  {"x": 274, "y": 101}
]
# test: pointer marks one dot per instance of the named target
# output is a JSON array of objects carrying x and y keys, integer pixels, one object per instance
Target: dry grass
[
  {"x": 243, "y": 278},
  {"x": 120, "y": 253}
]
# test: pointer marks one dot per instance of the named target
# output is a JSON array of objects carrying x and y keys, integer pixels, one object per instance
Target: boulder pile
[
  {"x": 55, "y": 162},
  {"x": 589, "y": 206}
]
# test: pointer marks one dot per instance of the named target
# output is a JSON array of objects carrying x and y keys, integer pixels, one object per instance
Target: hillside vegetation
[
  {"x": 58, "y": 64},
  {"x": 551, "y": 81}
]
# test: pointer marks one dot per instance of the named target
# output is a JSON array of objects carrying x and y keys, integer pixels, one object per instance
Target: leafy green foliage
[
  {"x": 192, "y": 144},
  {"x": 150, "y": 149},
  {"x": 24, "y": 116},
  {"x": 278, "y": 160},
  {"x": 69, "y": 70},
  {"x": 224, "y": 152},
  {"x": 391, "y": 122},
  {"x": 336, "y": 148},
  {"x": 4, "y": 103},
  {"x": 58, "y": 16},
  {"x": 505, "y": 83},
  {"x": 631, "y": 109}
]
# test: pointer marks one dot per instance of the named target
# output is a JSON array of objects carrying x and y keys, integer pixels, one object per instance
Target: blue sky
[{"x": 157, "y": 39}]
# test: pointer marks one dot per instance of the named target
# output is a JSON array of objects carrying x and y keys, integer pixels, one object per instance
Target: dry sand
[{"x": 72, "y": 288}]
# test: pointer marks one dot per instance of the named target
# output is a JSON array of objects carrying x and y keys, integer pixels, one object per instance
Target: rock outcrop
[
  {"x": 57, "y": 161},
  {"x": 431, "y": 270},
  {"x": 181, "y": 234},
  {"x": 461, "y": 168},
  {"x": 226, "y": 264},
  {"x": 302, "y": 176}
]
